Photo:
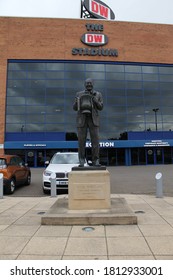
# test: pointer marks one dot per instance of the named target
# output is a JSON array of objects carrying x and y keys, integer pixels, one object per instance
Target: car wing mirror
[{"x": 46, "y": 163}]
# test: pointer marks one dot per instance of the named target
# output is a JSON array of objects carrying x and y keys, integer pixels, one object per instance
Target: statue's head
[{"x": 89, "y": 84}]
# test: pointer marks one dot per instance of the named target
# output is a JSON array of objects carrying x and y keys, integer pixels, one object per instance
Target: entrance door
[
  {"x": 154, "y": 156},
  {"x": 40, "y": 158},
  {"x": 30, "y": 158}
]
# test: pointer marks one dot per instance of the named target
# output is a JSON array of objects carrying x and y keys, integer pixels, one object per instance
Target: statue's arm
[{"x": 98, "y": 101}]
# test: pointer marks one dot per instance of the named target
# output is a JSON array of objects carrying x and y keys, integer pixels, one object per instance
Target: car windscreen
[
  {"x": 3, "y": 163},
  {"x": 65, "y": 159}
]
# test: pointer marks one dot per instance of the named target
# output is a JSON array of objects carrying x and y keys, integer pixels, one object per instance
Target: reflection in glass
[{"x": 40, "y": 95}]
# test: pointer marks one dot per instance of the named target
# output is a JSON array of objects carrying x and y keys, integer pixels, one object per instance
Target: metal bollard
[
  {"x": 53, "y": 185},
  {"x": 1, "y": 185},
  {"x": 159, "y": 185}
]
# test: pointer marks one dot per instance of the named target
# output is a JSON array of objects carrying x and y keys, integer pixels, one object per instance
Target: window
[{"x": 40, "y": 96}]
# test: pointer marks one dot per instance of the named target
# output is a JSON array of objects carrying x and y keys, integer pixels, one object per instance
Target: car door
[
  {"x": 15, "y": 169},
  {"x": 21, "y": 169}
]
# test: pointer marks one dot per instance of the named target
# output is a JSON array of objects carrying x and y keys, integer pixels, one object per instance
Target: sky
[{"x": 150, "y": 11}]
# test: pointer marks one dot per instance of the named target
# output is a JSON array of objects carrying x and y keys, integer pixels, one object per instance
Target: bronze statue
[{"x": 87, "y": 104}]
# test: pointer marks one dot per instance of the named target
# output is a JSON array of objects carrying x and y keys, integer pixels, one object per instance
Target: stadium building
[{"x": 45, "y": 61}]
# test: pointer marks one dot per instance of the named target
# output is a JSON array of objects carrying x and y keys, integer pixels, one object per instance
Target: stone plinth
[{"x": 89, "y": 190}]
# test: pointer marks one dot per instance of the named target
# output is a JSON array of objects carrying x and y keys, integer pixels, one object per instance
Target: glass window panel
[
  {"x": 149, "y": 69},
  {"x": 114, "y": 68},
  {"x": 167, "y": 110},
  {"x": 151, "y": 117},
  {"x": 112, "y": 110},
  {"x": 77, "y": 83},
  {"x": 35, "y": 101},
  {"x": 135, "y": 118},
  {"x": 54, "y": 109},
  {"x": 75, "y": 75},
  {"x": 16, "y": 75},
  {"x": 17, "y": 66},
  {"x": 166, "y": 86},
  {"x": 55, "y": 83},
  {"x": 114, "y": 76},
  {"x": 135, "y": 110},
  {"x": 53, "y": 101},
  {"x": 117, "y": 118},
  {"x": 35, "y": 109},
  {"x": 36, "y": 75},
  {"x": 16, "y": 127},
  {"x": 152, "y": 103},
  {"x": 15, "y": 110},
  {"x": 134, "y": 101},
  {"x": 166, "y": 78},
  {"x": 70, "y": 127},
  {"x": 35, "y": 118},
  {"x": 166, "y": 70},
  {"x": 168, "y": 118},
  {"x": 58, "y": 118},
  {"x": 54, "y": 66},
  {"x": 74, "y": 66},
  {"x": 168, "y": 101},
  {"x": 115, "y": 84},
  {"x": 135, "y": 92},
  {"x": 168, "y": 126},
  {"x": 135, "y": 85},
  {"x": 71, "y": 117},
  {"x": 15, "y": 118},
  {"x": 148, "y": 92},
  {"x": 116, "y": 100},
  {"x": 95, "y": 75},
  {"x": 133, "y": 68},
  {"x": 36, "y": 83},
  {"x": 115, "y": 92},
  {"x": 150, "y": 85},
  {"x": 36, "y": 92},
  {"x": 54, "y": 127},
  {"x": 133, "y": 77},
  {"x": 16, "y": 92},
  {"x": 17, "y": 83},
  {"x": 99, "y": 85},
  {"x": 55, "y": 75},
  {"x": 54, "y": 91},
  {"x": 95, "y": 67},
  {"x": 36, "y": 66},
  {"x": 150, "y": 77},
  {"x": 15, "y": 101},
  {"x": 34, "y": 127}
]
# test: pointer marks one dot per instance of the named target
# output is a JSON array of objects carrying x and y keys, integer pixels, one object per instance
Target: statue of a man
[{"x": 87, "y": 104}]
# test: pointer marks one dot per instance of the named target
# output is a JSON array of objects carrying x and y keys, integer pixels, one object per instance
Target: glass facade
[{"x": 40, "y": 96}]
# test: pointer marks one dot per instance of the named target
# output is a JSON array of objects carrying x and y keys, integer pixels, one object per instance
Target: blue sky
[{"x": 152, "y": 11}]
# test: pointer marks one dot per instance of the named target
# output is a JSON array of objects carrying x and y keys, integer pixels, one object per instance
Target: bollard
[
  {"x": 159, "y": 185},
  {"x": 53, "y": 184},
  {"x": 1, "y": 185}
]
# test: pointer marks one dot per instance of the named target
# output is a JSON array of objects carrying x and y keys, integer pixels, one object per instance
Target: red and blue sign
[
  {"x": 94, "y": 39},
  {"x": 98, "y": 9}
]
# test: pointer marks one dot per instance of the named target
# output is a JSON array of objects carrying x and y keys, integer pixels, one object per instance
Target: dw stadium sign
[{"x": 98, "y": 9}]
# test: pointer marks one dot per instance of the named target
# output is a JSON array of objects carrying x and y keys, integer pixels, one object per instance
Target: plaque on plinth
[{"x": 89, "y": 189}]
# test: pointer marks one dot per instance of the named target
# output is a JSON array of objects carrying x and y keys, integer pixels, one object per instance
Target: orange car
[{"x": 15, "y": 172}]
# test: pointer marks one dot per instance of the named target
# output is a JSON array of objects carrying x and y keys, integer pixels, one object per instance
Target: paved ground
[{"x": 22, "y": 236}]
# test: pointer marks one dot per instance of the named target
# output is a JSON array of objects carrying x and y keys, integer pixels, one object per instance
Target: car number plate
[{"x": 61, "y": 183}]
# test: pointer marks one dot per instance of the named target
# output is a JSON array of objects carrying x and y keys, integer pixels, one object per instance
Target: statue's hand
[{"x": 95, "y": 99}]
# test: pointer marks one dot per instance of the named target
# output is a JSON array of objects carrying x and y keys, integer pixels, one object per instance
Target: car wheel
[
  {"x": 28, "y": 180},
  {"x": 11, "y": 188}
]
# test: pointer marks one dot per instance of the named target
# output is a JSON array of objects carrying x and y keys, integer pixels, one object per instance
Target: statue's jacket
[{"x": 97, "y": 105}]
